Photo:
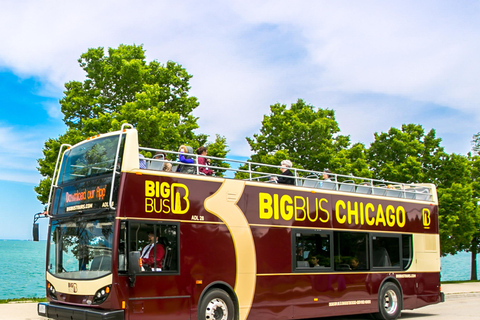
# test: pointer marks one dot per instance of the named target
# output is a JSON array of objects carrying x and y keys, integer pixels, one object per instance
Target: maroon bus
[{"x": 134, "y": 237}]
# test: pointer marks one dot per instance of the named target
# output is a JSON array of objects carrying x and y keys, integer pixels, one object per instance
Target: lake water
[{"x": 22, "y": 266}]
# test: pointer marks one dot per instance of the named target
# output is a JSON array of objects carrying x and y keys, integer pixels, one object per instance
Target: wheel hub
[
  {"x": 216, "y": 310},
  {"x": 391, "y": 302}
]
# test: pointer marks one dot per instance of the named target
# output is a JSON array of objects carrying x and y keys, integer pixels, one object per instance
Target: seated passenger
[
  {"x": 326, "y": 175},
  {"x": 202, "y": 151},
  {"x": 185, "y": 158},
  {"x": 167, "y": 166},
  {"x": 143, "y": 163},
  {"x": 286, "y": 177},
  {"x": 313, "y": 260},
  {"x": 356, "y": 265}
]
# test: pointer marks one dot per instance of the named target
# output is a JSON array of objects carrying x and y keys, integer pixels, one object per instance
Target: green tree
[
  {"x": 406, "y": 155},
  {"x": 121, "y": 87},
  {"x": 476, "y": 143},
  {"x": 459, "y": 213},
  {"x": 306, "y": 135}
]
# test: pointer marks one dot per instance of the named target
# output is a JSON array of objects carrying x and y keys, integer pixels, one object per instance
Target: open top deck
[{"x": 261, "y": 172}]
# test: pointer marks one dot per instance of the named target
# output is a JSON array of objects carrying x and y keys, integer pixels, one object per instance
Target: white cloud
[
  {"x": 18, "y": 153},
  {"x": 247, "y": 55}
]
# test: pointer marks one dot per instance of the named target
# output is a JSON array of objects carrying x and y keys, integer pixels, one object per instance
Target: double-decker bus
[{"x": 129, "y": 238}]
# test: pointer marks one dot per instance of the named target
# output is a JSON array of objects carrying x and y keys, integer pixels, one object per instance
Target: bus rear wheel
[
  {"x": 216, "y": 305},
  {"x": 389, "y": 302}
]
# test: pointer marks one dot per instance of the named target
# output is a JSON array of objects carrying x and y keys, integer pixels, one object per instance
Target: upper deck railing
[{"x": 261, "y": 172}]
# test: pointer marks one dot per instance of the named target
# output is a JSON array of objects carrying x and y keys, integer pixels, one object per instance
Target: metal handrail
[
  {"x": 55, "y": 182},
  {"x": 114, "y": 173},
  {"x": 301, "y": 175}
]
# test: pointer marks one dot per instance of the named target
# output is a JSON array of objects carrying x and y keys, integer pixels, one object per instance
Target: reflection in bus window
[
  {"x": 407, "y": 251},
  {"x": 81, "y": 250},
  {"x": 351, "y": 251},
  {"x": 386, "y": 251},
  {"x": 312, "y": 250}
]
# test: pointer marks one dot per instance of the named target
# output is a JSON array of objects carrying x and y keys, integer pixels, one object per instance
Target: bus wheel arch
[
  {"x": 219, "y": 296},
  {"x": 390, "y": 300}
]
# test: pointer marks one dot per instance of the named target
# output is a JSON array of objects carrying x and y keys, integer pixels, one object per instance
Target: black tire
[
  {"x": 216, "y": 305},
  {"x": 389, "y": 302}
]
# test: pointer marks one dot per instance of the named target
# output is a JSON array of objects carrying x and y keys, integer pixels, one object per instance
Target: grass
[{"x": 23, "y": 300}]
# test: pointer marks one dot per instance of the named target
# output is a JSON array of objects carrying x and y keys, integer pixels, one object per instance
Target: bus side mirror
[
  {"x": 35, "y": 232},
  {"x": 134, "y": 266}
]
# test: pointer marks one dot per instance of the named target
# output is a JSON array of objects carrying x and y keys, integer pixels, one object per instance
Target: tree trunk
[{"x": 473, "y": 274}]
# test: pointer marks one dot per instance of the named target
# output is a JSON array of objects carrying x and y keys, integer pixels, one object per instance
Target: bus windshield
[
  {"x": 91, "y": 158},
  {"x": 81, "y": 248}
]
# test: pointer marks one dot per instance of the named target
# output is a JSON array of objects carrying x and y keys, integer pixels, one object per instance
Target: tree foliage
[
  {"x": 121, "y": 87},
  {"x": 406, "y": 155},
  {"x": 302, "y": 133}
]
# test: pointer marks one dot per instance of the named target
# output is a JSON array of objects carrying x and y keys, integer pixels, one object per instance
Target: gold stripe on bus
[
  {"x": 331, "y": 229},
  {"x": 223, "y": 204},
  {"x": 78, "y": 286},
  {"x": 168, "y": 220},
  {"x": 395, "y": 273}
]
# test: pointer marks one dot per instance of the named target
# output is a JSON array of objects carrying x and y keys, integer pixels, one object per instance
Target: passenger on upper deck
[
  {"x": 286, "y": 177},
  {"x": 142, "y": 162},
  {"x": 326, "y": 175},
  {"x": 202, "y": 151},
  {"x": 185, "y": 168}
]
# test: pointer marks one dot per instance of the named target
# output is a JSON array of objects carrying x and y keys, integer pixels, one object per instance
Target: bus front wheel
[
  {"x": 216, "y": 305},
  {"x": 389, "y": 302}
]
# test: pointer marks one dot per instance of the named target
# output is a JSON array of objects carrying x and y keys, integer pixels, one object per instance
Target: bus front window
[{"x": 81, "y": 249}]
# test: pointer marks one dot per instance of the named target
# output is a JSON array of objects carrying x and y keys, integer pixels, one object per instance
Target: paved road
[
  {"x": 462, "y": 307},
  {"x": 462, "y": 302}
]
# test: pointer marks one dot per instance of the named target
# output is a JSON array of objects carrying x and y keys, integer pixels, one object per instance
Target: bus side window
[
  {"x": 386, "y": 251},
  {"x": 351, "y": 251},
  {"x": 312, "y": 250},
  {"x": 157, "y": 244}
]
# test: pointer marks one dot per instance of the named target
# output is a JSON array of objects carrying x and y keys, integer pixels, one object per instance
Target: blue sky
[{"x": 377, "y": 64}]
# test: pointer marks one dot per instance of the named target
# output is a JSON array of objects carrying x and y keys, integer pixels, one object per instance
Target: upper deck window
[{"x": 91, "y": 158}]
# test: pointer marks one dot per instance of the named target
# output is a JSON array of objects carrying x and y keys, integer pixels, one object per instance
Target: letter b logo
[{"x": 426, "y": 218}]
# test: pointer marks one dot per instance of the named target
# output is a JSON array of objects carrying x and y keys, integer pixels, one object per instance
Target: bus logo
[
  {"x": 72, "y": 287},
  {"x": 166, "y": 198},
  {"x": 427, "y": 220}
]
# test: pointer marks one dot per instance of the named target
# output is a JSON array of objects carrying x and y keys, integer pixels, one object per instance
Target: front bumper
[{"x": 56, "y": 311}]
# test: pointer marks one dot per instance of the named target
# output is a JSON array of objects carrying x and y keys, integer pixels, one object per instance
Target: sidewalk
[
  {"x": 464, "y": 288},
  {"x": 28, "y": 310}
]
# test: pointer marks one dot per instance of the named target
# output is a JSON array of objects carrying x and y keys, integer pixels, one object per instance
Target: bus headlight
[
  {"x": 51, "y": 291},
  {"x": 101, "y": 295}
]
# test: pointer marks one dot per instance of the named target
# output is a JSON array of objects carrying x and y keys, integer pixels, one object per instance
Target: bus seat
[
  {"x": 329, "y": 185},
  {"x": 347, "y": 185},
  {"x": 167, "y": 259},
  {"x": 410, "y": 194},
  {"x": 394, "y": 193},
  {"x": 310, "y": 183},
  {"x": 102, "y": 263},
  {"x": 422, "y": 194},
  {"x": 155, "y": 165},
  {"x": 302, "y": 264},
  {"x": 381, "y": 190},
  {"x": 381, "y": 258},
  {"x": 364, "y": 189}
]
